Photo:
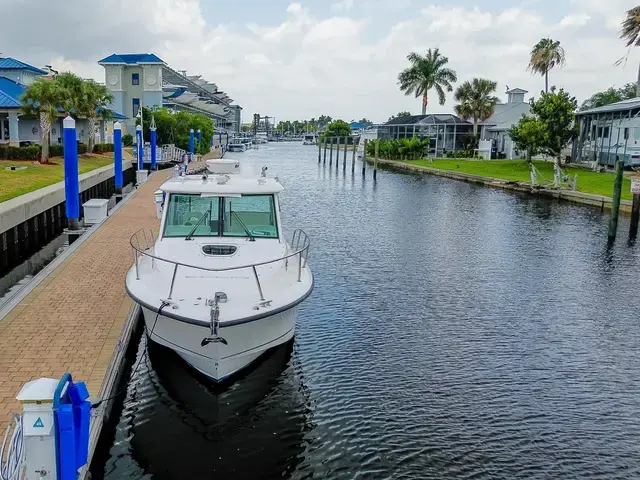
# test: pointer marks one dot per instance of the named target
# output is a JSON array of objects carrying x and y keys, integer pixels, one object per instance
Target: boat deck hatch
[{"x": 219, "y": 249}]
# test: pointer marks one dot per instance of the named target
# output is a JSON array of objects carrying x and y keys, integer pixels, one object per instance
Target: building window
[
  {"x": 135, "y": 79},
  {"x": 136, "y": 106},
  {"x": 4, "y": 130}
]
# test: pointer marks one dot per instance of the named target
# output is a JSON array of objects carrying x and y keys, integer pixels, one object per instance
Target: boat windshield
[{"x": 230, "y": 216}]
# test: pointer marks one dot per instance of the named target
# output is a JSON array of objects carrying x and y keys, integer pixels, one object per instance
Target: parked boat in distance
[
  {"x": 220, "y": 285},
  {"x": 237, "y": 146},
  {"x": 310, "y": 139}
]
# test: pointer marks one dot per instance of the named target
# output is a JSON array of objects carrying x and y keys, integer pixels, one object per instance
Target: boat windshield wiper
[
  {"x": 193, "y": 230},
  {"x": 247, "y": 231}
]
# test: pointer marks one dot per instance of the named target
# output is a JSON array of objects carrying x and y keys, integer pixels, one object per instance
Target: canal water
[{"x": 455, "y": 331}]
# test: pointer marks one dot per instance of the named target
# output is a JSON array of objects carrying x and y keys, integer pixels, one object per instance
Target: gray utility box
[{"x": 95, "y": 210}]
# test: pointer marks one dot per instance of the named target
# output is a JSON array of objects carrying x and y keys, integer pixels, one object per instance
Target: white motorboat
[
  {"x": 220, "y": 284},
  {"x": 309, "y": 139},
  {"x": 237, "y": 146}
]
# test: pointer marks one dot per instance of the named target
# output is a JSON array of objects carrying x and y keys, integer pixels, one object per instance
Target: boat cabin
[{"x": 222, "y": 204}]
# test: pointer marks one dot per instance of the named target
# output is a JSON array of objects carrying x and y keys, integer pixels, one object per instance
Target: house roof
[
  {"x": 505, "y": 115},
  {"x": 630, "y": 104},
  {"x": 132, "y": 58},
  {"x": 8, "y": 63},
  {"x": 436, "y": 118},
  {"x": 517, "y": 90},
  {"x": 10, "y": 93}
]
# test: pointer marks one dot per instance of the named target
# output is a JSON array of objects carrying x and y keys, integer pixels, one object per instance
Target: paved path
[{"x": 72, "y": 320}]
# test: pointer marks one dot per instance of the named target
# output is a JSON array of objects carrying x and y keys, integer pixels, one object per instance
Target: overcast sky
[{"x": 303, "y": 59}]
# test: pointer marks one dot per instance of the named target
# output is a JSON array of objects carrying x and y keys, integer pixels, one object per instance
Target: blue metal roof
[
  {"x": 10, "y": 93},
  {"x": 8, "y": 63},
  {"x": 132, "y": 58}
]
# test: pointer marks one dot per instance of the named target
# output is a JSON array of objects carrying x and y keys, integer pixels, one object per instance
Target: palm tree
[
  {"x": 546, "y": 54},
  {"x": 476, "y": 100},
  {"x": 630, "y": 32},
  {"x": 93, "y": 103},
  {"x": 41, "y": 99},
  {"x": 426, "y": 73}
]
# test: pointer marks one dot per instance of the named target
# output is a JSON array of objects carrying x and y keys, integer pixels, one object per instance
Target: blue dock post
[
  {"x": 199, "y": 137},
  {"x": 117, "y": 156},
  {"x": 191, "y": 144},
  {"x": 153, "y": 148},
  {"x": 227, "y": 144},
  {"x": 140, "y": 147},
  {"x": 71, "y": 179}
]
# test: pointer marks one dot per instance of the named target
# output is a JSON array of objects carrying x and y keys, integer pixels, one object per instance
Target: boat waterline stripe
[
  {"x": 228, "y": 356},
  {"x": 231, "y": 323}
]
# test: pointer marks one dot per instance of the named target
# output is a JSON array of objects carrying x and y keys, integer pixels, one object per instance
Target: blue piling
[
  {"x": 153, "y": 148},
  {"x": 140, "y": 147},
  {"x": 71, "y": 179},
  {"x": 199, "y": 137},
  {"x": 117, "y": 156},
  {"x": 191, "y": 143}
]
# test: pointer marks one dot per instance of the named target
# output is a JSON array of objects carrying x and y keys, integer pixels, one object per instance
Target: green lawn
[
  {"x": 19, "y": 182},
  {"x": 518, "y": 171}
]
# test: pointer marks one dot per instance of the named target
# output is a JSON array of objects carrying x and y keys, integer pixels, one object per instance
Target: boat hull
[{"x": 245, "y": 341}]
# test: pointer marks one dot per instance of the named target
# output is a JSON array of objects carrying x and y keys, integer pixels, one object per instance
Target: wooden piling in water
[
  {"x": 324, "y": 141},
  {"x": 331, "y": 151},
  {"x": 344, "y": 158},
  {"x": 375, "y": 159},
  {"x": 615, "y": 202},
  {"x": 319, "y": 151},
  {"x": 364, "y": 157},
  {"x": 353, "y": 157},
  {"x": 635, "y": 213}
]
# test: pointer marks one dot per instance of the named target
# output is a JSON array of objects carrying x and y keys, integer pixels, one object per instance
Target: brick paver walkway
[{"x": 72, "y": 320}]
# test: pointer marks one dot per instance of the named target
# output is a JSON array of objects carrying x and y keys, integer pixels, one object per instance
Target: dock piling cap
[{"x": 41, "y": 390}]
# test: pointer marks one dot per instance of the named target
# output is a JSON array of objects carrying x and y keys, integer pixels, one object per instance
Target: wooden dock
[{"x": 73, "y": 316}]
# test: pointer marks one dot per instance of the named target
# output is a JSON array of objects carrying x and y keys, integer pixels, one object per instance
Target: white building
[
  {"x": 137, "y": 80},
  {"x": 505, "y": 115}
]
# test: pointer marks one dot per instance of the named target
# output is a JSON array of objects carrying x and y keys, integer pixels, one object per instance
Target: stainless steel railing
[{"x": 143, "y": 244}]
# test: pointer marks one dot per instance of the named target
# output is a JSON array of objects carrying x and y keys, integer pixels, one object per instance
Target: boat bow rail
[{"x": 143, "y": 244}]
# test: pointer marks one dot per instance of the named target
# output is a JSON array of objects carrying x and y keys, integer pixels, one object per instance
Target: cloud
[
  {"x": 315, "y": 60},
  {"x": 342, "y": 6}
]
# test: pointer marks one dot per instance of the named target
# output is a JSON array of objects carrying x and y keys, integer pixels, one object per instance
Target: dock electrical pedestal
[{"x": 51, "y": 439}]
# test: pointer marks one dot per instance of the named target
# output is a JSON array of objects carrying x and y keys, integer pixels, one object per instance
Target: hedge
[
  {"x": 103, "y": 147},
  {"x": 32, "y": 152}
]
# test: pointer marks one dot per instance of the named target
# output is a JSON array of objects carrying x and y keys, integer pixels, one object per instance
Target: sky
[{"x": 302, "y": 59}]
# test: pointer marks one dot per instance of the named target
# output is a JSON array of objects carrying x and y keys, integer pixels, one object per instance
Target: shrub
[
  {"x": 402, "y": 149},
  {"x": 82, "y": 148},
  {"x": 127, "y": 139},
  {"x": 103, "y": 147},
  {"x": 32, "y": 152},
  {"x": 56, "y": 150}
]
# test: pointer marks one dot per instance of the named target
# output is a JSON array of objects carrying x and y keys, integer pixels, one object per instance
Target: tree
[
  {"x": 338, "y": 128},
  {"x": 610, "y": 95},
  {"x": 528, "y": 135},
  {"x": 324, "y": 120},
  {"x": 365, "y": 121},
  {"x": 399, "y": 115},
  {"x": 427, "y": 72},
  {"x": 630, "y": 32},
  {"x": 41, "y": 99},
  {"x": 545, "y": 55},
  {"x": 93, "y": 105},
  {"x": 476, "y": 100}
]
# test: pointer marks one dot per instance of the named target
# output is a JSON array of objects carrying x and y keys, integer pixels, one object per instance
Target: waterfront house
[
  {"x": 505, "y": 116},
  {"x": 447, "y": 132},
  {"x": 608, "y": 132},
  {"x": 18, "y": 129},
  {"x": 144, "y": 79}
]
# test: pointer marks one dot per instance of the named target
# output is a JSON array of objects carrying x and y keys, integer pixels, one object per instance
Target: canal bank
[
  {"x": 32, "y": 220},
  {"x": 603, "y": 202},
  {"x": 75, "y": 316},
  {"x": 496, "y": 358}
]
